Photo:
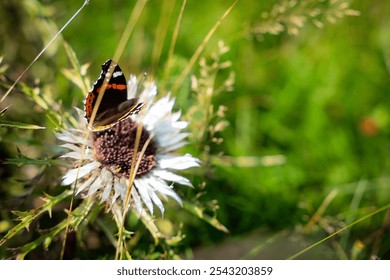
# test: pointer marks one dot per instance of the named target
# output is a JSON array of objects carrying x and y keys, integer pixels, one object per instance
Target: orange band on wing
[{"x": 113, "y": 86}]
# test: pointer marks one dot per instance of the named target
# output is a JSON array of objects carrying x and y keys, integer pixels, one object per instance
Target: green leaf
[
  {"x": 77, "y": 74},
  {"x": 22, "y": 160},
  {"x": 20, "y": 125},
  {"x": 27, "y": 217},
  {"x": 199, "y": 212}
]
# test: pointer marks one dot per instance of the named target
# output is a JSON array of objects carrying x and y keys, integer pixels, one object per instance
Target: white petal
[
  {"x": 69, "y": 137},
  {"x": 120, "y": 188},
  {"x": 162, "y": 188},
  {"x": 87, "y": 183},
  {"x": 101, "y": 181},
  {"x": 132, "y": 87},
  {"x": 158, "y": 110},
  {"x": 142, "y": 188},
  {"x": 169, "y": 176},
  {"x": 107, "y": 191},
  {"x": 77, "y": 156},
  {"x": 116, "y": 191},
  {"x": 80, "y": 115},
  {"x": 180, "y": 124},
  {"x": 178, "y": 162},
  {"x": 76, "y": 152},
  {"x": 156, "y": 200},
  {"x": 70, "y": 177},
  {"x": 162, "y": 127},
  {"x": 72, "y": 147},
  {"x": 174, "y": 147},
  {"x": 95, "y": 186},
  {"x": 175, "y": 116},
  {"x": 74, "y": 155},
  {"x": 148, "y": 93},
  {"x": 169, "y": 140},
  {"x": 137, "y": 200},
  {"x": 65, "y": 137}
]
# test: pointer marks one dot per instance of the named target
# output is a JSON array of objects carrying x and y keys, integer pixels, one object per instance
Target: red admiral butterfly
[{"x": 114, "y": 106}]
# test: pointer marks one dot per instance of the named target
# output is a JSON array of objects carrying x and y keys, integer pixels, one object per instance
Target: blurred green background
[{"x": 306, "y": 151}]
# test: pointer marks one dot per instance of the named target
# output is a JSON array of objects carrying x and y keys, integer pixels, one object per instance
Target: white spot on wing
[{"x": 116, "y": 74}]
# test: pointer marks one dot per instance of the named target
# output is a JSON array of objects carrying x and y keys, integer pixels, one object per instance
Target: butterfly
[{"x": 114, "y": 106}]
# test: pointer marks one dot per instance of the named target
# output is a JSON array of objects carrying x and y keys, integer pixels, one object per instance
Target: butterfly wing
[{"x": 114, "y": 105}]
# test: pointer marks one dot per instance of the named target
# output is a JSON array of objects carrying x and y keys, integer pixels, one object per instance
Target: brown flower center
[{"x": 114, "y": 148}]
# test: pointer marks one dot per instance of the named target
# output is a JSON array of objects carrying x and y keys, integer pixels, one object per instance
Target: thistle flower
[{"x": 103, "y": 168}]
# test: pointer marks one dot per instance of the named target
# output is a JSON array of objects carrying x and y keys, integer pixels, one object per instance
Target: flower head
[{"x": 105, "y": 159}]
